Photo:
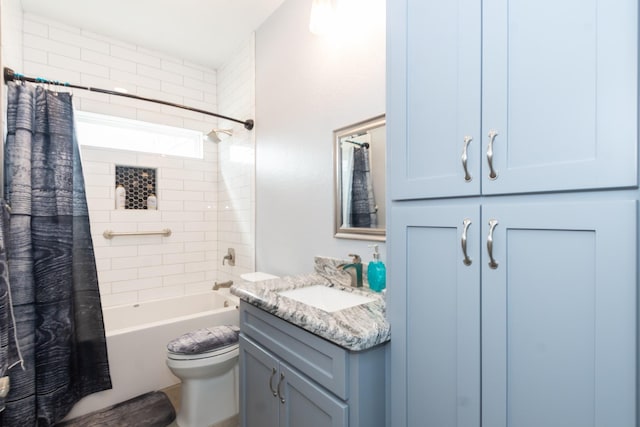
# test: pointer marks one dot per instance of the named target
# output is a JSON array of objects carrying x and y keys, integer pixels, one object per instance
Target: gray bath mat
[{"x": 147, "y": 410}]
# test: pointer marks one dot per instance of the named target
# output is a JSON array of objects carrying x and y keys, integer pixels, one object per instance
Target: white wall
[
  {"x": 133, "y": 269},
  {"x": 306, "y": 87},
  {"x": 10, "y": 53},
  {"x": 236, "y": 185},
  {"x": 11, "y": 24},
  {"x": 60, "y": 52},
  {"x": 139, "y": 268}
]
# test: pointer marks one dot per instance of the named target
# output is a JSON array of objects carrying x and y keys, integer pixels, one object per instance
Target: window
[{"x": 98, "y": 130}]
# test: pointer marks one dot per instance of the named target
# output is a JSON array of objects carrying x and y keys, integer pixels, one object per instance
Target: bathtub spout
[{"x": 226, "y": 284}]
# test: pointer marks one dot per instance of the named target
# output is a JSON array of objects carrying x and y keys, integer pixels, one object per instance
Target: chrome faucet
[
  {"x": 230, "y": 257},
  {"x": 354, "y": 269}
]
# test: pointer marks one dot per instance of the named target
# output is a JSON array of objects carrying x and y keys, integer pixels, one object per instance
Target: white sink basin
[{"x": 326, "y": 298}]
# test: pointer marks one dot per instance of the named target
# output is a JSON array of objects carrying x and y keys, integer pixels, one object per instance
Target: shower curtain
[
  {"x": 363, "y": 204},
  {"x": 52, "y": 270},
  {"x": 347, "y": 181}
]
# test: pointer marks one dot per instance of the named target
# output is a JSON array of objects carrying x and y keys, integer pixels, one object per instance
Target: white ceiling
[{"x": 205, "y": 32}]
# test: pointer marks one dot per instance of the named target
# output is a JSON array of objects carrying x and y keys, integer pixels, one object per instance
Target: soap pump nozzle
[{"x": 376, "y": 254}]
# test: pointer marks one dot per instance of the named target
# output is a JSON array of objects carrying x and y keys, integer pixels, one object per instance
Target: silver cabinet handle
[
  {"x": 273, "y": 374},
  {"x": 279, "y": 384},
  {"x": 466, "y": 223},
  {"x": 492, "y": 173},
  {"x": 492, "y": 262},
  {"x": 465, "y": 158}
]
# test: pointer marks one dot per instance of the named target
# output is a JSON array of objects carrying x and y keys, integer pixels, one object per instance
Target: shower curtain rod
[
  {"x": 10, "y": 75},
  {"x": 360, "y": 144}
]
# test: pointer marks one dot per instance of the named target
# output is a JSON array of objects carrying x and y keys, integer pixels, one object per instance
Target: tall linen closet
[{"x": 513, "y": 195}]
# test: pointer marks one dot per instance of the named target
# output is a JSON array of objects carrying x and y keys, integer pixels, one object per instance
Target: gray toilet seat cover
[{"x": 205, "y": 339}]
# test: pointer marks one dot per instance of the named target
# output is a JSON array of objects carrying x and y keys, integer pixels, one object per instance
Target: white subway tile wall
[
  {"x": 12, "y": 34},
  {"x": 11, "y": 53},
  {"x": 208, "y": 204},
  {"x": 60, "y": 52},
  {"x": 236, "y": 185},
  {"x": 138, "y": 268}
]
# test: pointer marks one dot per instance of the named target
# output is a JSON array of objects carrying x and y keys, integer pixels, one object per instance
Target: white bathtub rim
[
  {"x": 233, "y": 305},
  {"x": 130, "y": 329}
]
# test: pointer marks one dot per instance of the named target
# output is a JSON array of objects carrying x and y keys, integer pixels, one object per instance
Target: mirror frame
[{"x": 374, "y": 234}]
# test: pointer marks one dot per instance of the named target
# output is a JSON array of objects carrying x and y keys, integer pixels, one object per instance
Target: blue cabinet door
[
  {"x": 546, "y": 91},
  {"x": 433, "y": 95},
  {"x": 258, "y": 386},
  {"x": 305, "y": 403},
  {"x": 434, "y": 311},
  {"x": 560, "y": 91},
  {"x": 559, "y": 325},
  {"x": 274, "y": 395}
]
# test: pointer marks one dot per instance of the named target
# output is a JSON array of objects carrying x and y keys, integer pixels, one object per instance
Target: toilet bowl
[{"x": 209, "y": 385}]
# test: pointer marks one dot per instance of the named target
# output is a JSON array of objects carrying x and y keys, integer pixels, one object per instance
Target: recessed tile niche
[{"x": 139, "y": 183}]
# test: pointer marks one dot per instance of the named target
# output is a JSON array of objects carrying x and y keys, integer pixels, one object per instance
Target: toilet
[{"x": 206, "y": 361}]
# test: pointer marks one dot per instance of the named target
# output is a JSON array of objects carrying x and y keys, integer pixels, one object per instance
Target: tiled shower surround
[
  {"x": 208, "y": 204},
  {"x": 138, "y": 268}
]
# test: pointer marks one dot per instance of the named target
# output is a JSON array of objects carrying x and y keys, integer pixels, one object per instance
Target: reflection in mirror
[{"x": 359, "y": 154}]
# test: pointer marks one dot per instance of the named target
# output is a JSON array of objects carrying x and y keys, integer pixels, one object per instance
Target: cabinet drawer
[{"x": 320, "y": 360}]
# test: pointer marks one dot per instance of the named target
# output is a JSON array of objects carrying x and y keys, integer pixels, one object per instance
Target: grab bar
[{"x": 108, "y": 234}]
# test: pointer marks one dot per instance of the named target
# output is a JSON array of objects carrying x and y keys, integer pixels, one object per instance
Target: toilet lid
[
  {"x": 204, "y": 340},
  {"x": 204, "y": 355}
]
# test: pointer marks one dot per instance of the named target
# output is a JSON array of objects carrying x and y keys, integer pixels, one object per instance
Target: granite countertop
[{"x": 356, "y": 328}]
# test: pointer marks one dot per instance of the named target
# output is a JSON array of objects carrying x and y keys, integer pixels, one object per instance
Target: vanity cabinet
[
  {"x": 290, "y": 400},
  {"x": 290, "y": 377},
  {"x": 511, "y": 96}
]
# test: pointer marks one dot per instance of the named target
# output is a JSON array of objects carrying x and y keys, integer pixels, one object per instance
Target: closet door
[
  {"x": 559, "y": 318},
  {"x": 433, "y": 92},
  {"x": 434, "y": 309},
  {"x": 560, "y": 94}
]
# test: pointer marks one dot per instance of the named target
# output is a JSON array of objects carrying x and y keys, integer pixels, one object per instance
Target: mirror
[{"x": 359, "y": 158}]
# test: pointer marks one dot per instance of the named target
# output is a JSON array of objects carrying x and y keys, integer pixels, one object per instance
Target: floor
[{"x": 173, "y": 393}]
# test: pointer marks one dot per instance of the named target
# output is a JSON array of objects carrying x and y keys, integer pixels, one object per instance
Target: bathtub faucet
[{"x": 226, "y": 284}]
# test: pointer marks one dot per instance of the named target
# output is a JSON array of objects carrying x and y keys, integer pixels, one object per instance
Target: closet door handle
[
  {"x": 279, "y": 384},
  {"x": 492, "y": 173},
  {"x": 465, "y": 158},
  {"x": 273, "y": 374},
  {"x": 492, "y": 262},
  {"x": 466, "y": 223}
]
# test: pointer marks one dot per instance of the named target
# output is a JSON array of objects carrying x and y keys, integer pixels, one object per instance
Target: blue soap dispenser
[{"x": 376, "y": 272}]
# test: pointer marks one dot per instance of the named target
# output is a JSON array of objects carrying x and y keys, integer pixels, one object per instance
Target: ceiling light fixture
[{"x": 322, "y": 17}]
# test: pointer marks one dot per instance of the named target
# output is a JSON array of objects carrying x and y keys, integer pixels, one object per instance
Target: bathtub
[{"x": 137, "y": 336}]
